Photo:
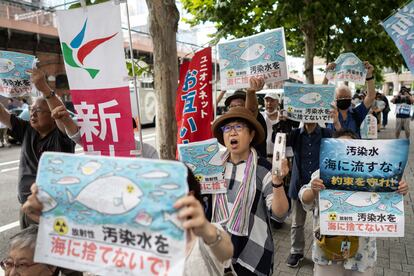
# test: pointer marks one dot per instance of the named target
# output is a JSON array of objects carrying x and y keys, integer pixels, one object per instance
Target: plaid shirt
[{"x": 255, "y": 251}]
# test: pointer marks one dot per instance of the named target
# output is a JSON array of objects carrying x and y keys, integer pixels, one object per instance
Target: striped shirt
[{"x": 255, "y": 251}]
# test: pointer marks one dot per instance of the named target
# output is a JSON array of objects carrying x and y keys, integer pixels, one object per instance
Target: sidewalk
[{"x": 395, "y": 255}]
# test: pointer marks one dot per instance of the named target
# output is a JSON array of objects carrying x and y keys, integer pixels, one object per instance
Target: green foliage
[
  {"x": 88, "y": 3},
  {"x": 337, "y": 26},
  {"x": 139, "y": 70}
]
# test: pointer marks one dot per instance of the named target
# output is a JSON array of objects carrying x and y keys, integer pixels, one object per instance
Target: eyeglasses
[
  {"x": 238, "y": 128},
  {"x": 8, "y": 264},
  {"x": 38, "y": 110}
]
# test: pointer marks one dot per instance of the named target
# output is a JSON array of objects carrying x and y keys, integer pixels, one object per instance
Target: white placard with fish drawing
[
  {"x": 111, "y": 216},
  {"x": 356, "y": 213},
  {"x": 259, "y": 55},
  {"x": 308, "y": 103}
]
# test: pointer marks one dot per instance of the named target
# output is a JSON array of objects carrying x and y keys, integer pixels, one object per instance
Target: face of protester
[
  {"x": 40, "y": 116},
  {"x": 271, "y": 105},
  {"x": 343, "y": 98},
  {"x": 236, "y": 103},
  {"x": 21, "y": 264},
  {"x": 237, "y": 137}
]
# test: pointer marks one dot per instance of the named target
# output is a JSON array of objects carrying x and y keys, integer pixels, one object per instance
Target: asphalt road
[{"x": 9, "y": 206}]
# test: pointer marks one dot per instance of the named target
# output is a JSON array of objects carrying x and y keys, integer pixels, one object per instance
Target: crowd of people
[{"x": 230, "y": 233}]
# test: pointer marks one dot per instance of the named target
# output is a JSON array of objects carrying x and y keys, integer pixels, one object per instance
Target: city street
[{"x": 9, "y": 206}]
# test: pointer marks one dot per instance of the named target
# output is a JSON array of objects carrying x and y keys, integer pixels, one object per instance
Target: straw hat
[{"x": 232, "y": 115}]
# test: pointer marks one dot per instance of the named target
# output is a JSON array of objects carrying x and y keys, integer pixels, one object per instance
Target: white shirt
[{"x": 269, "y": 125}]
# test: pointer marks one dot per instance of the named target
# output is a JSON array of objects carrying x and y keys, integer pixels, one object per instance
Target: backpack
[{"x": 337, "y": 248}]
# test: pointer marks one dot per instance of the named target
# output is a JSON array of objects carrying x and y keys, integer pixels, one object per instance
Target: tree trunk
[
  {"x": 309, "y": 37},
  {"x": 163, "y": 24}
]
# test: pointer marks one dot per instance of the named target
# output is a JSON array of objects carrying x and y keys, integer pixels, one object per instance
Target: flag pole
[
  {"x": 131, "y": 51},
  {"x": 215, "y": 82}
]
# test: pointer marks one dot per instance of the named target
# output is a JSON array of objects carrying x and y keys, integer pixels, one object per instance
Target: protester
[
  {"x": 4, "y": 137},
  {"x": 253, "y": 193},
  {"x": 305, "y": 143},
  {"x": 385, "y": 111},
  {"x": 209, "y": 247},
  {"x": 248, "y": 99},
  {"x": 352, "y": 118},
  {"x": 24, "y": 103},
  {"x": 377, "y": 108},
  {"x": 271, "y": 116},
  {"x": 37, "y": 136},
  {"x": 364, "y": 261},
  {"x": 20, "y": 255},
  {"x": 403, "y": 111}
]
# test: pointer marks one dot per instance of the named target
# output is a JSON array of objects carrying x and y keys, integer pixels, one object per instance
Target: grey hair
[
  {"x": 24, "y": 239},
  {"x": 41, "y": 99}
]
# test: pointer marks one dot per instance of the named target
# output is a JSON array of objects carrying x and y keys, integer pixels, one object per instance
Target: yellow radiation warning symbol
[
  {"x": 230, "y": 73},
  {"x": 199, "y": 178},
  {"x": 332, "y": 216},
  {"x": 290, "y": 109},
  {"x": 60, "y": 226}
]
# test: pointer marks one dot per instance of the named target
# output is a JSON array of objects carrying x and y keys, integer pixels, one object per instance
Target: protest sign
[
  {"x": 403, "y": 109},
  {"x": 14, "y": 79},
  {"x": 204, "y": 160},
  {"x": 260, "y": 55},
  {"x": 363, "y": 165},
  {"x": 111, "y": 216},
  {"x": 92, "y": 46},
  {"x": 194, "y": 102},
  {"x": 105, "y": 121},
  {"x": 356, "y": 213},
  {"x": 348, "y": 68},
  {"x": 93, "y": 52},
  {"x": 400, "y": 27},
  {"x": 279, "y": 152},
  {"x": 369, "y": 127},
  {"x": 308, "y": 103}
]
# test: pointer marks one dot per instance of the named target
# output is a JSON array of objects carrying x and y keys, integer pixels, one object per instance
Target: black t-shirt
[{"x": 32, "y": 148}]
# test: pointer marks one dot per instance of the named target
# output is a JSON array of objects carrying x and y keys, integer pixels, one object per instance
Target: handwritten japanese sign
[
  {"x": 111, "y": 216},
  {"x": 400, "y": 27},
  {"x": 203, "y": 158},
  {"x": 260, "y": 55},
  {"x": 363, "y": 165},
  {"x": 348, "y": 68},
  {"x": 194, "y": 102},
  {"x": 14, "y": 79},
  {"x": 357, "y": 213},
  {"x": 308, "y": 103},
  {"x": 105, "y": 121}
]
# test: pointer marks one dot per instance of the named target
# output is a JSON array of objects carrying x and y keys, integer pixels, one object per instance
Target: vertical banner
[
  {"x": 14, "y": 79},
  {"x": 369, "y": 127},
  {"x": 204, "y": 160},
  {"x": 260, "y": 55},
  {"x": 93, "y": 52},
  {"x": 308, "y": 103},
  {"x": 348, "y": 68},
  {"x": 107, "y": 223},
  {"x": 361, "y": 177},
  {"x": 194, "y": 102},
  {"x": 400, "y": 27}
]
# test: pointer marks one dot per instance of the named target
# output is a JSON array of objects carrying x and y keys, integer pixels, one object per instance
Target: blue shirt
[
  {"x": 306, "y": 149},
  {"x": 354, "y": 118}
]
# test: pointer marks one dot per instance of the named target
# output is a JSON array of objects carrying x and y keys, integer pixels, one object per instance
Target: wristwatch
[
  {"x": 277, "y": 185},
  {"x": 218, "y": 238},
  {"x": 52, "y": 94}
]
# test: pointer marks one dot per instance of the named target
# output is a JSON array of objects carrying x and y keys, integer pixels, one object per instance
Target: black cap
[{"x": 238, "y": 94}]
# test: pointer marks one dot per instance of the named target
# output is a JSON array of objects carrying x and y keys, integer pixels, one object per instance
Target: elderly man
[
  {"x": 271, "y": 117},
  {"x": 37, "y": 136},
  {"x": 348, "y": 117}
]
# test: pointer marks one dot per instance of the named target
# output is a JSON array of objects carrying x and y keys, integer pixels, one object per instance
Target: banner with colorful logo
[
  {"x": 194, "y": 102},
  {"x": 111, "y": 216},
  {"x": 93, "y": 52},
  {"x": 14, "y": 79},
  {"x": 400, "y": 27},
  {"x": 204, "y": 160},
  {"x": 308, "y": 103},
  {"x": 260, "y": 55},
  {"x": 348, "y": 68}
]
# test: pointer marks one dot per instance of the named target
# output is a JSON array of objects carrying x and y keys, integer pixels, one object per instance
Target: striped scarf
[{"x": 237, "y": 220}]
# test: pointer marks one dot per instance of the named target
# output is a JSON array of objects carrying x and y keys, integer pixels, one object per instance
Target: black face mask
[{"x": 343, "y": 104}]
